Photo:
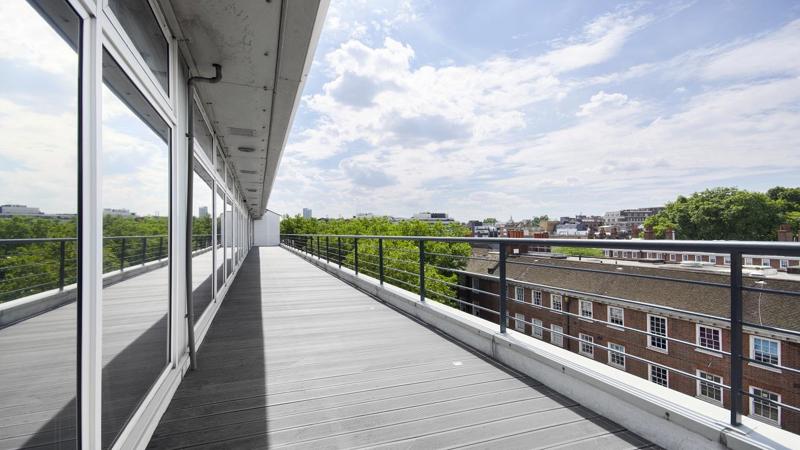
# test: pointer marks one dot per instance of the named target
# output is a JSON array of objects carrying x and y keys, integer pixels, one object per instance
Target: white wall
[{"x": 267, "y": 229}]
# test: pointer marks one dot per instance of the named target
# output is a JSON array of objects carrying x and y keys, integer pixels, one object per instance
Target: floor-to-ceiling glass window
[
  {"x": 219, "y": 244},
  {"x": 136, "y": 203},
  {"x": 203, "y": 258},
  {"x": 229, "y": 222},
  {"x": 39, "y": 205}
]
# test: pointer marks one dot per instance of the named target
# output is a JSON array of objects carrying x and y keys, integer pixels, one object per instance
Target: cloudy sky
[{"x": 524, "y": 108}]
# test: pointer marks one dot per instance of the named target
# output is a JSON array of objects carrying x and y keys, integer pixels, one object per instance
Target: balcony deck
[{"x": 298, "y": 358}]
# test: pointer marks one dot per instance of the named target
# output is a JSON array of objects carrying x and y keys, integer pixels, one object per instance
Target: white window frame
[
  {"x": 784, "y": 263},
  {"x": 758, "y": 416},
  {"x": 519, "y": 322},
  {"x": 673, "y": 257},
  {"x": 536, "y": 298},
  {"x": 622, "y": 316},
  {"x": 684, "y": 257},
  {"x": 519, "y": 293},
  {"x": 557, "y": 299},
  {"x": 748, "y": 261},
  {"x": 586, "y": 340},
  {"x": 537, "y": 329},
  {"x": 650, "y": 330},
  {"x": 556, "y": 335},
  {"x": 616, "y": 350},
  {"x": 727, "y": 260},
  {"x": 650, "y": 377},
  {"x": 753, "y": 352},
  {"x": 586, "y": 309},
  {"x": 766, "y": 262},
  {"x": 700, "y": 383},
  {"x": 705, "y": 348}
]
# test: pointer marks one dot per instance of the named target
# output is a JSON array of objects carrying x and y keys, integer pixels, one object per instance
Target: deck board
[{"x": 297, "y": 358}]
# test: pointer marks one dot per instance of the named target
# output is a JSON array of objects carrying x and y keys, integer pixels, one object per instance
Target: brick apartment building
[{"x": 606, "y": 308}]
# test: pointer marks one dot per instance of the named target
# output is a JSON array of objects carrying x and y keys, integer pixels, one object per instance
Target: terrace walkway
[{"x": 297, "y": 358}]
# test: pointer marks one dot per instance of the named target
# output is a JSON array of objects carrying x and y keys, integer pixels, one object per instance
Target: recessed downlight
[
  {"x": 247, "y": 149},
  {"x": 249, "y": 172}
]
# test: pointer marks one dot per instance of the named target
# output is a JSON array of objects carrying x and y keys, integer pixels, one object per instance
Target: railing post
[
  {"x": 327, "y": 250},
  {"x": 380, "y": 260},
  {"x": 736, "y": 338},
  {"x": 122, "y": 255},
  {"x": 421, "y": 270},
  {"x": 319, "y": 254},
  {"x": 355, "y": 255},
  {"x": 160, "y": 247},
  {"x": 339, "y": 251},
  {"x": 144, "y": 249},
  {"x": 62, "y": 256},
  {"x": 503, "y": 288}
]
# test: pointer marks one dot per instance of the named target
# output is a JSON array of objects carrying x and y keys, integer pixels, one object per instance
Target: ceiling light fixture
[
  {"x": 249, "y": 172},
  {"x": 247, "y": 149}
]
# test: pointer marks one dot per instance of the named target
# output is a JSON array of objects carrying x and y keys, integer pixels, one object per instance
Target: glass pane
[
  {"x": 203, "y": 259},
  {"x": 220, "y": 165},
  {"x": 229, "y": 225},
  {"x": 39, "y": 157},
  {"x": 202, "y": 135},
  {"x": 219, "y": 257},
  {"x": 141, "y": 26},
  {"x": 136, "y": 204}
]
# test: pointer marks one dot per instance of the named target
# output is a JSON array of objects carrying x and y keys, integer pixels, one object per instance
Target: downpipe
[{"x": 189, "y": 206}]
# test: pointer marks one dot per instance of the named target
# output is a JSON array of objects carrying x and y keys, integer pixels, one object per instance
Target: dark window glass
[
  {"x": 203, "y": 257},
  {"x": 202, "y": 135},
  {"x": 141, "y": 26},
  {"x": 39, "y": 199},
  {"x": 230, "y": 224},
  {"x": 136, "y": 233}
]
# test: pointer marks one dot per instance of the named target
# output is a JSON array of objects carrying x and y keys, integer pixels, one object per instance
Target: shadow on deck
[{"x": 298, "y": 358}]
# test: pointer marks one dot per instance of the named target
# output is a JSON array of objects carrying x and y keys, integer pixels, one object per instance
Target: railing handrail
[
  {"x": 70, "y": 239},
  {"x": 775, "y": 248}
]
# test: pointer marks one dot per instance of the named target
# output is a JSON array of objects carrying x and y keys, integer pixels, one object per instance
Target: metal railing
[
  {"x": 31, "y": 266},
  {"x": 431, "y": 266}
]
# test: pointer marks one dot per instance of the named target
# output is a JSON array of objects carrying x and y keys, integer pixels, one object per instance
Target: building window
[
  {"x": 536, "y": 329},
  {"x": 476, "y": 285},
  {"x": 616, "y": 355},
  {"x": 556, "y": 336},
  {"x": 709, "y": 391},
  {"x": 616, "y": 315},
  {"x": 762, "y": 406},
  {"x": 519, "y": 293},
  {"x": 673, "y": 257},
  {"x": 659, "y": 375},
  {"x": 626, "y": 254},
  {"x": 475, "y": 310},
  {"x": 586, "y": 347},
  {"x": 765, "y": 350},
  {"x": 784, "y": 263},
  {"x": 140, "y": 24},
  {"x": 657, "y": 326},
  {"x": 727, "y": 260},
  {"x": 519, "y": 322},
  {"x": 586, "y": 309},
  {"x": 556, "y": 302},
  {"x": 709, "y": 337},
  {"x": 537, "y": 298},
  {"x": 765, "y": 263},
  {"x": 685, "y": 257},
  {"x": 748, "y": 261}
]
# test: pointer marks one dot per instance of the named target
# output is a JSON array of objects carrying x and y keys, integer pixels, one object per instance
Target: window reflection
[
  {"x": 203, "y": 258},
  {"x": 230, "y": 225},
  {"x": 141, "y": 26},
  {"x": 219, "y": 210},
  {"x": 202, "y": 135},
  {"x": 136, "y": 234},
  {"x": 39, "y": 158}
]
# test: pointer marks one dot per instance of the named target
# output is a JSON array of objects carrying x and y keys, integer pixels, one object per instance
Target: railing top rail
[
  {"x": 744, "y": 247},
  {"x": 69, "y": 239}
]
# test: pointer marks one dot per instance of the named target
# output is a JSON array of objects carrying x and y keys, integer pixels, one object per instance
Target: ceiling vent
[
  {"x": 247, "y": 149},
  {"x": 233, "y": 131},
  {"x": 249, "y": 172},
  {"x": 252, "y": 190}
]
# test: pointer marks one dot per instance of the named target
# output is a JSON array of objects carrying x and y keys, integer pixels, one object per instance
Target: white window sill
[
  {"x": 587, "y": 319},
  {"x": 709, "y": 400},
  {"x": 616, "y": 366},
  {"x": 588, "y": 355},
  {"x": 766, "y": 420},
  {"x": 761, "y": 366},
  {"x": 615, "y": 327},
  {"x": 708, "y": 352},
  {"x": 658, "y": 349}
]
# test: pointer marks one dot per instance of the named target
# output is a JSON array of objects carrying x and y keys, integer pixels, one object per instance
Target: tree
[
  {"x": 490, "y": 221},
  {"x": 720, "y": 213},
  {"x": 538, "y": 219}
]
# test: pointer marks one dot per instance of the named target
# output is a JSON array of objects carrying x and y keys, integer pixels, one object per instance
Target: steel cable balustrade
[{"x": 735, "y": 249}]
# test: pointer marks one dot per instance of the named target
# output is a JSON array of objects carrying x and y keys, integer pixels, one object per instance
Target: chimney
[
  {"x": 613, "y": 232},
  {"x": 602, "y": 234},
  {"x": 591, "y": 235},
  {"x": 785, "y": 233},
  {"x": 669, "y": 234},
  {"x": 634, "y": 231},
  {"x": 649, "y": 234}
]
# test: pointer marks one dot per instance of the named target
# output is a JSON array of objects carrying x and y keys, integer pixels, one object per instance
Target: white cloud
[{"x": 26, "y": 38}]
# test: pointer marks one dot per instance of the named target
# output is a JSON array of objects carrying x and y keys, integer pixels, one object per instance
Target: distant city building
[
  {"x": 121, "y": 212},
  {"x": 626, "y": 219},
  {"x": 365, "y": 215},
  {"x": 485, "y": 231},
  {"x": 19, "y": 210},
  {"x": 433, "y": 217},
  {"x": 203, "y": 212},
  {"x": 306, "y": 213}
]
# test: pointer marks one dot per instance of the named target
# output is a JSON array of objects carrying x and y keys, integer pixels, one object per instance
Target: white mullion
[{"x": 91, "y": 245}]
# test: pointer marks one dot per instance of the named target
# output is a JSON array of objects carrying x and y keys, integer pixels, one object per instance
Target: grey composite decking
[
  {"x": 38, "y": 360},
  {"x": 297, "y": 358}
]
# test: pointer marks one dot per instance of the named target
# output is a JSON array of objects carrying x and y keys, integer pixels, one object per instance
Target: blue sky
[{"x": 526, "y": 108}]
